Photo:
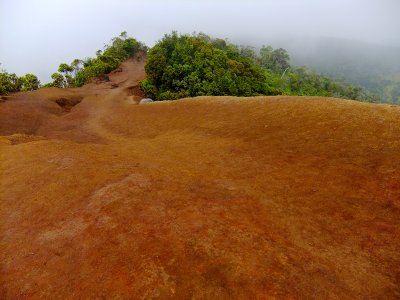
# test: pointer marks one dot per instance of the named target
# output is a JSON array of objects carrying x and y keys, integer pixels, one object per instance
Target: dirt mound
[
  {"x": 207, "y": 198},
  {"x": 69, "y": 113}
]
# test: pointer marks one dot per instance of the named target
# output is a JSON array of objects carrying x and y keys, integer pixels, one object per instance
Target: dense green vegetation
[
  {"x": 10, "y": 83},
  {"x": 304, "y": 82},
  {"x": 374, "y": 67},
  {"x": 80, "y": 72},
  {"x": 194, "y": 65},
  {"x": 186, "y": 66}
]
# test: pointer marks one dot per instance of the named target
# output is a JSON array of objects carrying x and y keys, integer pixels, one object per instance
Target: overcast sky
[{"x": 37, "y": 35}]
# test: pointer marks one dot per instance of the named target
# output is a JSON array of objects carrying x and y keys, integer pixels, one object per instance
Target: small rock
[{"x": 146, "y": 100}]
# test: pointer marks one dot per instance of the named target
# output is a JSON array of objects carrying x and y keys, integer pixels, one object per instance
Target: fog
[{"x": 36, "y": 36}]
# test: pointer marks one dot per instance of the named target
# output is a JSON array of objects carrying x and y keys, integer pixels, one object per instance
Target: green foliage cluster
[
  {"x": 80, "y": 72},
  {"x": 277, "y": 60},
  {"x": 287, "y": 79},
  {"x": 29, "y": 82},
  {"x": 10, "y": 83},
  {"x": 300, "y": 81},
  {"x": 194, "y": 65}
]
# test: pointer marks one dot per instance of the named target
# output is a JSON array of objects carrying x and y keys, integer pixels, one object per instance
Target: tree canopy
[
  {"x": 187, "y": 66},
  {"x": 29, "y": 82},
  {"x": 10, "y": 83}
]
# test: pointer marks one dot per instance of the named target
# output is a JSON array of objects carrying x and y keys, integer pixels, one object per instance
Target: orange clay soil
[{"x": 204, "y": 198}]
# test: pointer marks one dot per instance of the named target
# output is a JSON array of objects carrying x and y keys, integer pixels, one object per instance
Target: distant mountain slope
[{"x": 375, "y": 67}]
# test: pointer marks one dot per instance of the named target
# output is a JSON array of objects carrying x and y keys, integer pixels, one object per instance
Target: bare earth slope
[{"x": 205, "y": 198}]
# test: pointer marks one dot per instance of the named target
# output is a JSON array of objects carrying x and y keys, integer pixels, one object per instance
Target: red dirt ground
[{"x": 205, "y": 198}]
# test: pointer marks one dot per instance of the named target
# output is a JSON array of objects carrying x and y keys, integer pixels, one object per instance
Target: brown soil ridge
[{"x": 204, "y": 198}]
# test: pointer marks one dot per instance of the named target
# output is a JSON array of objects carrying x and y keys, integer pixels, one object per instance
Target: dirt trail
[{"x": 205, "y": 198}]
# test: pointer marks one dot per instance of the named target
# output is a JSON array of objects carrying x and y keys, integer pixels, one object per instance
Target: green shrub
[
  {"x": 10, "y": 83},
  {"x": 186, "y": 66},
  {"x": 29, "y": 82}
]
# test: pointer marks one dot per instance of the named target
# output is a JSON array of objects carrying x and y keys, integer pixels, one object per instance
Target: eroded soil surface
[{"x": 204, "y": 198}]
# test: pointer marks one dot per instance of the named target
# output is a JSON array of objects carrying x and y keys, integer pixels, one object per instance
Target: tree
[
  {"x": 76, "y": 66},
  {"x": 66, "y": 71},
  {"x": 58, "y": 80},
  {"x": 277, "y": 60},
  {"x": 123, "y": 35},
  {"x": 280, "y": 59},
  {"x": 186, "y": 66},
  {"x": 249, "y": 52},
  {"x": 29, "y": 82},
  {"x": 65, "y": 68},
  {"x": 266, "y": 56},
  {"x": 9, "y": 83}
]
